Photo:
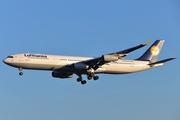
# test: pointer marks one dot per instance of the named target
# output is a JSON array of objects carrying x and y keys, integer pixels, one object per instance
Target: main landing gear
[
  {"x": 20, "y": 72},
  {"x": 89, "y": 77},
  {"x": 80, "y": 79}
]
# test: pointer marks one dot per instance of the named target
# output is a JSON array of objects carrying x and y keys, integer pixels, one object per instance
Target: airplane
[{"x": 66, "y": 66}]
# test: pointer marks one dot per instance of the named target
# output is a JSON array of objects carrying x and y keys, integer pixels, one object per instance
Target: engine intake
[
  {"x": 109, "y": 58},
  {"x": 61, "y": 75}
]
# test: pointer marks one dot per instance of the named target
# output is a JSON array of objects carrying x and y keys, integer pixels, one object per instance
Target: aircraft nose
[{"x": 5, "y": 61}]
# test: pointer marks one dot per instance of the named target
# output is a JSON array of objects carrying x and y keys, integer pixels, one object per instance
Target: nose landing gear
[{"x": 20, "y": 73}]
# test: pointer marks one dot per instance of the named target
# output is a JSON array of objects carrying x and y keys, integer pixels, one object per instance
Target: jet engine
[
  {"x": 109, "y": 58},
  {"x": 80, "y": 66},
  {"x": 57, "y": 74}
]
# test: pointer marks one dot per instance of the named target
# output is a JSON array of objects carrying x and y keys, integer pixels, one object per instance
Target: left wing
[{"x": 95, "y": 63}]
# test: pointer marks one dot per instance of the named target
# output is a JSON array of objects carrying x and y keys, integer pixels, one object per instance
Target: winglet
[{"x": 146, "y": 42}]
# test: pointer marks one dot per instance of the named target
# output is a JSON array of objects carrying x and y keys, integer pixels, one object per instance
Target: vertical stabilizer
[{"x": 153, "y": 52}]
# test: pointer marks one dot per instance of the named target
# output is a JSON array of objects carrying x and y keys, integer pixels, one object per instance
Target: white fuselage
[{"x": 62, "y": 63}]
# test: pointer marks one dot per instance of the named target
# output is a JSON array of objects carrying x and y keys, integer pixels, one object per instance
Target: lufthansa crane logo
[{"x": 154, "y": 50}]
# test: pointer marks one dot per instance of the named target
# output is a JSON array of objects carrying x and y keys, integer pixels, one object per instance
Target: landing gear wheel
[
  {"x": 95, "y": 77},
  {"x": 79, "y": 79},
  {"x": 89, "y": 77},
  {"x": 83, "y": 82},
  {"x": 21, "y": 73}
]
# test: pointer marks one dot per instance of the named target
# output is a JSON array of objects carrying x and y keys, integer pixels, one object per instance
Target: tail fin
[{"x": 153, "y": 52}]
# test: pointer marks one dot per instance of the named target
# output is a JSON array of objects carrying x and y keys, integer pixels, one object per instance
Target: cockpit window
[{"x": 9, "y": 56}]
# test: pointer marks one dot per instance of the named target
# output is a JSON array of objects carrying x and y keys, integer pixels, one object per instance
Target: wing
[
  {"x": 95, "y": 63},
  {"x": 124, "y": 53}
]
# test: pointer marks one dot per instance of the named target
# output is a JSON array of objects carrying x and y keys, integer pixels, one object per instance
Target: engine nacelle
[
  {"x": 109, "y": 58},
  {"x": 61, "y": 75},
  {"x": 80, "y": 66}
]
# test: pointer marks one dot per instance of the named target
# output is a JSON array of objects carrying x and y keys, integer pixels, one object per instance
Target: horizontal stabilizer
[{"x": 162, "y": 61}]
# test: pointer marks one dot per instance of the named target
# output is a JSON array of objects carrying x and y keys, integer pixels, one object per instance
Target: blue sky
[{"x": 89, "y": 28}]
